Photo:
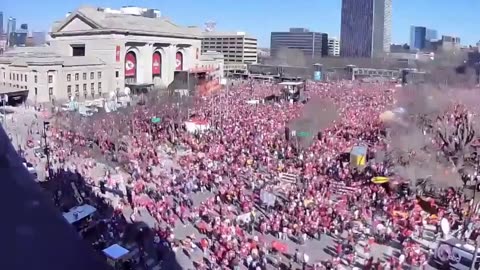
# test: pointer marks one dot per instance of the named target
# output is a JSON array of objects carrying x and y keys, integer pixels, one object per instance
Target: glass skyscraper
[
  {"x": 1, "y": 23},
  {"x": 431, "y": 34},
  {"x": 365, "y": 27},
  {"x": 418, "y": 38}
]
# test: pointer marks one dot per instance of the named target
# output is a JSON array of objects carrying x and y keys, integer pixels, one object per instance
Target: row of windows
[
  {"x": 77, "y": 93},
  {"x": 224, "y": 46},
  {"x": 77, "y": 88},
  {"x": 84, "y": 76},
  {"x": 17, "y": 77},
  {"x": 224, "y": 43},
  {"x": 223, "y": 38},
  {"x": 24, "y": 77},
  {"x": 16, "y": 85}
]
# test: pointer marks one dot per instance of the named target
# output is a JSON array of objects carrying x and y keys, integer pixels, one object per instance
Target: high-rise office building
[
  {"x": 431, "y": 35},
  {"x": 11, "y": 25},
  {"x": 418, "y": 37},
  {"x": 39, "y": 38},
  {"x": 333, "y": 47},
  {"x": 1, "y": 23},
  {"x": 365, "y": 27},
  {"x": 21, "y": 35},
  {"x": 237, "y": 47},
  {"x": 312, "y": 44}
]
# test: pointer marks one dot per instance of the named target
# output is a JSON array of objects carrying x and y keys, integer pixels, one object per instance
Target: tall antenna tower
[{"x": 210, "y": 26}]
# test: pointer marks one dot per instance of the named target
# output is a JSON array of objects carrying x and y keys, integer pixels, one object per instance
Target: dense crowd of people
[{"x": 239, "y": 158}]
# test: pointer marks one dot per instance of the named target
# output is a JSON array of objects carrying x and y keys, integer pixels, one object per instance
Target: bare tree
[{"x": 456, "y": 138}]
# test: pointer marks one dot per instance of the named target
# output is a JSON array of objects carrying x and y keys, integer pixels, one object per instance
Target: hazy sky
[{"x": 260, "y": 17}]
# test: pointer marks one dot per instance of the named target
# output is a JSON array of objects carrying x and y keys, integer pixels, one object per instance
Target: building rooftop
[
  {"x": 225, "y": 34},
  {"x": 100, "y": 21},
  {"x": 24, "y": 56}
]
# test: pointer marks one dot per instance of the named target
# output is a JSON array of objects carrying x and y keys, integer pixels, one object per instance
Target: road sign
[
  {"x": 156, "y": 120},
  {"x": 304, "y": 134}
]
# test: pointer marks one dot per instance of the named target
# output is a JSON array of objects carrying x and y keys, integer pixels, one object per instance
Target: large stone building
[
  {"x": 46, "y": 76},
  {"x": 95, "y": 51}
]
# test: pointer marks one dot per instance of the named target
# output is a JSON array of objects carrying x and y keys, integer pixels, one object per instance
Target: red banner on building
[
  {"x": 179, "y": 61},
  {"x": 130, "y": 64},
  {"x": 117, "y": 53},
  {"x": 157, "y": 63}
]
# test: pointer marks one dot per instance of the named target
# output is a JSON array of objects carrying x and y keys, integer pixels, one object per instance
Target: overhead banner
[
  {"x": 157, "y": 64},
  {"x": 179, "y": 61},
  {"x": 117, "y": 54},
  {"x": 130, "y": 64}
]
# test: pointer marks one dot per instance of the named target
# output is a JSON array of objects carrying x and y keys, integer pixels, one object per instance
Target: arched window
[
  {"x": 179, "y": 61},
  {"x": 157, "y": 64},
  {"x": 130, "y": 64}
]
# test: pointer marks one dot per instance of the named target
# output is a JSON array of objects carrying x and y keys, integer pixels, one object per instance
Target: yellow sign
[
  {"x": 380, "y": 180},
  {"x": 358, "y": 161}
]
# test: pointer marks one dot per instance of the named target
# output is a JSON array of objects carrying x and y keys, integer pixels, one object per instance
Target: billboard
[
  {"x": 130, "y": 64},
  {"x": 179, "y": 61},
  {"x": 317, "y": 76},
  {"x": 157, "y": 63}
]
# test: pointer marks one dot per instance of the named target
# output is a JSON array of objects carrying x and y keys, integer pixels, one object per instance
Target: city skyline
[{"x": 319, "y": 16}]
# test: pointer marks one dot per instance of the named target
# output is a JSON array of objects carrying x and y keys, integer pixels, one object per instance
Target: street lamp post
[
  {"x": 47, "y": 149},
  {"x": 474, "y": 260}
]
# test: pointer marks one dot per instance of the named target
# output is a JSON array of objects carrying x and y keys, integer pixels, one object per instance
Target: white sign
[{"x": 288, "y": 178}]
